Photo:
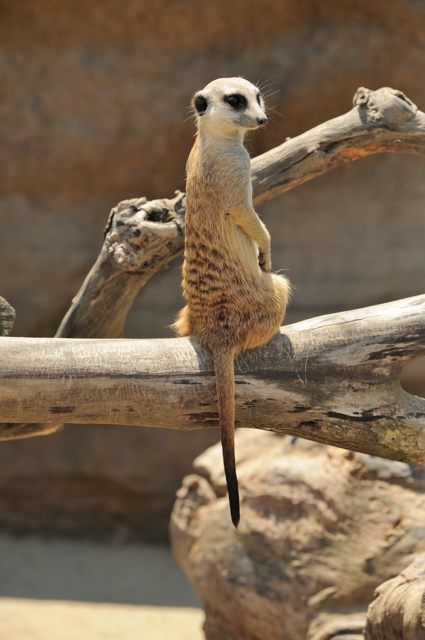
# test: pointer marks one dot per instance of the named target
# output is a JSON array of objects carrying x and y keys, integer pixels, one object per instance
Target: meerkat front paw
[{"x": 265, "y": 261}]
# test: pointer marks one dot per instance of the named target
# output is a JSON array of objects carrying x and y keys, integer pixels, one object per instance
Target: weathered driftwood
[
  {"x": 143, "y": 237},
  {"x": 7, "y": 317},
  {"x": 398, "y": 610},
  {"x": 332, "y": 379}
]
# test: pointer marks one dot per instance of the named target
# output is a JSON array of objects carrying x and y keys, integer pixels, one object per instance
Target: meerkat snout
[{"x": 262, "y": 121}]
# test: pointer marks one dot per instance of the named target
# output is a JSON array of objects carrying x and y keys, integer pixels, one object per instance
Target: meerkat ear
[{"x": 200, "y": 103}]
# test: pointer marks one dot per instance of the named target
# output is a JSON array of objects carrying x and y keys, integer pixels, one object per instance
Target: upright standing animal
[{"x": 233, "y": 301}]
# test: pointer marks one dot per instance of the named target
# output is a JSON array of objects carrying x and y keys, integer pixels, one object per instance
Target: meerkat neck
[{"x": 228, "y": 139}]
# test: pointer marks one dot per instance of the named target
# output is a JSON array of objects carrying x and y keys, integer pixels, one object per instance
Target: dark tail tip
[{"x": 232, "y": 484}]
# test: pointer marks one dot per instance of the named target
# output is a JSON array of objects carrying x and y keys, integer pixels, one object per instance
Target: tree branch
[
  {"x": 142, "y": 237},
  {"x": 380, "y": 121},
  {"x": 333, "y": 379}
]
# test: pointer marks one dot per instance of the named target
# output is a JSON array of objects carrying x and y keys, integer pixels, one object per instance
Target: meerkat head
[{"x": 227, "y": 105}]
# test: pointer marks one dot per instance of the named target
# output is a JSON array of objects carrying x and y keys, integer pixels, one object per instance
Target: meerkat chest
[
  {"x": 219, "y": 182},
  {"x": 216, "y": 184}
]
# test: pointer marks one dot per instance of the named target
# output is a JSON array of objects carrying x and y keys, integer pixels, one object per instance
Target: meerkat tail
[{"x": 224, "y": 365}]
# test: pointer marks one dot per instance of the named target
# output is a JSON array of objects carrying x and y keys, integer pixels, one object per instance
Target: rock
[
  {"x": 328, "y": 626},
  {"x": 320, "y": 529},
  {"x": 398, "y": 610}
]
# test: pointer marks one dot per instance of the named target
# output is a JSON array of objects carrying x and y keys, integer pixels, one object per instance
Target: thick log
[
  {"x": 333, "y": 379},
  {"x": 337, "y": 627}
]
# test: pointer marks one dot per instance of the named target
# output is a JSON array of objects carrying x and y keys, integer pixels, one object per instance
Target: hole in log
[{"x": 413, "y": 377}]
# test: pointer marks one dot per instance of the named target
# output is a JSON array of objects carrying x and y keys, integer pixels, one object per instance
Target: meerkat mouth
[
  {"x": 251, "y": 123},
  {"x": 253, "y": 126}
]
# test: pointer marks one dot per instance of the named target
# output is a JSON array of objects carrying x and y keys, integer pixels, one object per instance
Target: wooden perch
[
  {"x": 333, "y": 379},
  {"x": 142, "y": 237}
]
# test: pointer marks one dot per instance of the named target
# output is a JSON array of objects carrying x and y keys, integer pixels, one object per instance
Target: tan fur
[{"x": 232, "y": 303}]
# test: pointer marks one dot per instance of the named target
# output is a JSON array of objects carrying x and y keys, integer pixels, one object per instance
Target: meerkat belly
[{"x": 222, "y": 282}]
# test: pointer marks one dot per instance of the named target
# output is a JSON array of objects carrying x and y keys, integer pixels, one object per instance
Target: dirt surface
[
  {"x": 62, "y": 590},
  {"x": 57, "y": 620}
]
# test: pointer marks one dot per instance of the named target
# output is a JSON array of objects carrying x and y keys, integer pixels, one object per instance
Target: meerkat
[{"x": 233, "y": 301}]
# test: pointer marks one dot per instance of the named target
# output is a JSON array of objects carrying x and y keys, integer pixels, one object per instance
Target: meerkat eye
[
  {"x": 237, "y": 101},
  {"x": 200, "y": 103}
]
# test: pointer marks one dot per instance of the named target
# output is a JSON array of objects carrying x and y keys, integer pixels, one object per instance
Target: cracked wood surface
[{"x": 333, "y": 379}]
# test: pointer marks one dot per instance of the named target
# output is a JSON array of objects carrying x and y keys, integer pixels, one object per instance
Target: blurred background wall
[{"x": 93, "y": 108}]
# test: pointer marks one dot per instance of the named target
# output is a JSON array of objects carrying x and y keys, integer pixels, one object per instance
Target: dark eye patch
[
  {"x": 200, "y": 103},
  {"x": 237, "y": 101}
]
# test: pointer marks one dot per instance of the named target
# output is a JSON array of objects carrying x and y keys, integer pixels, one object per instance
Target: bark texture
[
  {"x": 333, "y": 379},
  {"x": 321, "y": 529},
  {"x": 141, "y": 238}
]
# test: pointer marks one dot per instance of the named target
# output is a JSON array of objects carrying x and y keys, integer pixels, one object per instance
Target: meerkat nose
[{"x": 262, "y": 120}]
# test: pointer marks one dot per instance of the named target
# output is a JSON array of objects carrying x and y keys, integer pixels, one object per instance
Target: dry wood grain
[{"x": 333, "y": 379}]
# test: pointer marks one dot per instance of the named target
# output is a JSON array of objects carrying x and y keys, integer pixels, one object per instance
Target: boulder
[
  {"x": 398, "y": 610},
  {"x": 320, "y": 529}
]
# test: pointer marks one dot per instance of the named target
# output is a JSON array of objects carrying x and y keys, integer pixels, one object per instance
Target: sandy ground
[{"x": 74, "y": 590}]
